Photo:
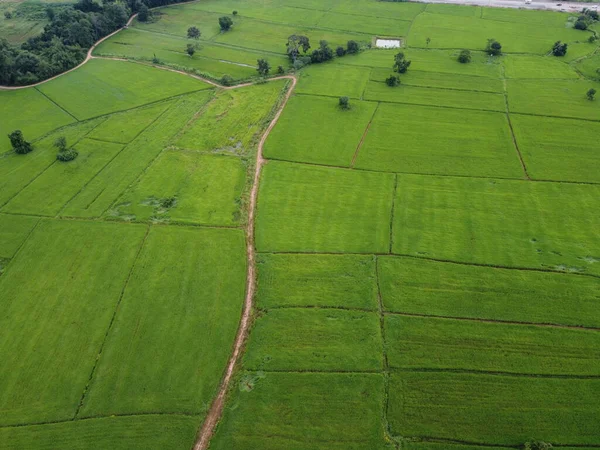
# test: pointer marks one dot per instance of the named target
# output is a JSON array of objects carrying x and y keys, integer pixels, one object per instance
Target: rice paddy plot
[
  {"x": 426, "y": 445},
  {"x": 31, "y": 112},
  {"x": 316, "y": 209},
  {"x": 450, "y": 98},
  {"x": 17, "y": 171},
  {"x": 53, "y": 323},
  {"x": 538, "y": 18},
  {"x": 577, "y": 50},
  {"x": 418, "y": 286},
  {"x": 233, "y": 121},
  {"x": 169, "y": 356},
  {"x": 13, "y": 232},
  {"x": 437, "y": 343},
  {"x": 589, "y": 66},
  {"x": 430, "y": 140},
  {"x": 328, "y": 135},
  {"x": 560, "y": 98},
  {"x": 280, "y": 14},
  {"x": 537, "y": 67},
  {"x": 344, "y": 281},
  {"x": 493, "y": 409},
  {"x": 472, "y": 33},
  {"x": 299, "y": 339},
  {"x": 303, "y": 411},
  {"x": 325, "y": 80},
  {"x": 395, "y": 10},
  {"x": 176, "y": 19},
  {"x": 104, "y": 189},
  {"x": 51, "y": 190},
  {"x": 106, "y": 86},
  {"x": 558, "y": 149},
  {"x": 454, "y": 10},
  {"x": 186, "y": 187},
  {"x": 384, "y": 26},
  {"x": 150, "y": 432},
  {"x": 549, "y": 226}
]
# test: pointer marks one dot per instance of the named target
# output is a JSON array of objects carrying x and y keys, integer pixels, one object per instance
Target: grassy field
[{"x": 27, "y": 21}]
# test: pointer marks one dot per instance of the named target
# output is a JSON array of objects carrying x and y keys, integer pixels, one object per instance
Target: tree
[
  {"x": 235, "y": 13},
  {"x": 340, "y": 51},
  {"x": 190, "y": 49},
  {"x": 401, "y": 64},
  {"x": 392, "y": 80},
  {"x": 263, "y": 67},
  {"x": 537, "y": 445},
  {"x": 193, "y": 33},
  {"x": 18, "y": 142},
  {"x": 344, "y": 102},
  {"x": 225, "y": 23},
  {"x": 144, "y": 14},
  {"x": 294, "y": 43},
  {"x": 493, "y": 47},
  {"x": 64, "y": 153},
  {"x": 227, "y": 80},
  {"x": 352, "y": 47},
  {"x": 61, "y": 143},
  {"x": 591, "y": 94},
  {"x": 428, "y": 41},
  {"x": 8, "y": 15},
  {"x": 559, "y": 49},
  {"x": 322, "y": 54},
  {"x": 280, "y": 70},
  {"x": 464, "y": 56},
  {"x": 581, "y": 24}
]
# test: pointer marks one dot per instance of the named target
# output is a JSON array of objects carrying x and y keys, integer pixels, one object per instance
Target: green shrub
[
  {"x": 18, "y": 142},
  {"x": 68, "y": 155},
  {"x": 392, "y": 80},
  {"x": 464, "y": 57},
  {"x": 344, "y": 102},
  {"x": 227, "y": 80}
]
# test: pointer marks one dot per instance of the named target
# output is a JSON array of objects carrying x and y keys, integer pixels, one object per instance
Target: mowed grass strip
[
  {"x": 100, "y": 193},
  {"x": 186, "y": 187},
  {"x": 173, "y": 334},
  {"x": 430, "y": 140},
  {"x": 346, "y": 281},
  {"x": 117, "y": 433},
  {"x": 49, "y": 192},
  {"x": 418, "y": 286},
  {"x": 434, "y": 343},
  {"x": 558, "y": 149},
  {"x": 450, "y": 98},
  {"x": 548, "y": 226},
  {"x": 328, "y": 135},
  {"x": 316, "y": 209},
  {"x": 53, "y": 323},
  {"x": 31, "y": 112},
  {"x": 232, "y": 123},
  {"x": 315, "y": 339},
  {"x": 303, "y": 411},
  {"x": 561, "y": 98},
  {"x": 106, "y": 86},
  {"x": 492, "y": 409},
  {"x": 325, "y": 79}
]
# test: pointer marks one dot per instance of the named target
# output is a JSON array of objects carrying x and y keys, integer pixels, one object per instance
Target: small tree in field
[
  {"x": 559, "y": 49},
  {"x": 64, "y": 154},
  {"x": 352, "y": 47},
  {"x": 280, "y": 70},
  {"x": 392, "y": 80},
  {"x": 401, "y": 64},
  {"x": 294, "y": 43},
  {"x": 61, "y": 143},
  {"x": 464, "y": 56},
  {"x": 235, "y": 13},
  {"x": 263, "y": 67},
  {"x": 18, "y": 142},
  {"x": 225, "y": 23},
  {"x": 344, "y": 102},
  {"x": 190, "y": 50},
  {"x": 340, "y": 51},
  {"x": 428, "y": 41},
  {"x": 591, "y": 94},
  {"x": 493, "y": 47},
  {"x": 227, "y": 80},
  {"x": 193, "y": 33}
]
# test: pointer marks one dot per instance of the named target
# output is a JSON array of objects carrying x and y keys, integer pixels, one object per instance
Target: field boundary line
[
  {"x": 325, "y": 307},
  {"x": 441, "y": 88},
  {"x": 494, "y": 373},
  {"x": 510, "y": 126},
  {"x": 57, "y": 105},
  {"x": 489, "y": 445},
  {"x": 316, "y": 371},
  {"x": 364, "y": 135},
  {"x": 495, "y": 321},
  {"x": 112, "y": 320},
  {"x": 18, "y": 250},
  {"x": 394, "y": 195},
  {"x": 216, "y": 409}
]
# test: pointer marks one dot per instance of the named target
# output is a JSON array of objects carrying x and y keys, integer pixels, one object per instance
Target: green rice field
[{"x": 417, "y": 271}]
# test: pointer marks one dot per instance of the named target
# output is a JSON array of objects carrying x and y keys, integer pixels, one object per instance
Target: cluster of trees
[
  {"x": 401, "y": 65},
  {"x": 559, "y": 49},
  {"x": 64, "y": 153},
  {"x": 586, "y": 18},
  {"x": 18, "y": 142},
  {"x": 464, "y": 57},
  {"x": 298, "y": 46},
  {"x": 493, "y": 47}
]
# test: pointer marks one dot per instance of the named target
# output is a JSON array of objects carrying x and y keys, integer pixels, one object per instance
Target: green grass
[
  {"x": 29, "y": 111},
  {"x": 105, "y": 86},
  {"x": 13, "y": 232},
  {"x": 419, "y": 139},
  {"x": 206, "y": 189},
  {"x": 454, "y": 10},
  {"x": 58, "y": 297},
  {"x": 315, "y": 339},
  {"x": 419, "y": 342},
  {"x": 558, "y": 149},
  {"x": 498, "y": 222},
  {"x": 316, "y": 209},
  {"x": 328, "y": 135},
  {"x": 442, "y": 80},
  {"x": 316, "y": 280},
  {"x": 435, "y": 97},
  {"x": 494, "y": 409},
  {"x": 589, "y": 66},
  {"x": 176, "y": 20},
  {"x": 537, "y": 67},
  {"x": 233, "y": 122},
  {"x": 530, "y": 17},
  {"x": 170, "y": 342},
  {"x": 117, "y": 433},
  {"x": 382, "y": 26},
  {"x": 303, "y": 411},
  {"x": 399, "y": 10},
  {"x": 578, "y": 50},
  {"x": 561, "y": 98},
  {"x": 417, "y": 286},
  {"x": 63, "y": 179},
  {"x": 100, "y": 193},
  {"x": 27, "y": 21},
  {"x": 325, "y": 79}
]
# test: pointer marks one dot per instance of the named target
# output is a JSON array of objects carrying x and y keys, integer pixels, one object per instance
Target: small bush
[
  {"x": 464, "y": 57},
  {"x": 493, "y": 47},
  {"x": 401, "y": 64},
  {"x": 225, "y": 23},
  {"x": 581, "y": 24},
  {"x": 352, "y": 47},
  {"x": 593, "y": 38},
  {"x": 67, "y": 155},
  {"x": 537, "y": 445},
  {"x": 559, "y": 49},
  {"x": 155, "y": 59},
  {"x": 7, "y": 15},
  {"x": 227, "y": 80},
  {"x": 591, "y": 94},
  {"x": 167, "y": 202},
  {"x": 340, "y": 51},
  {"x": 392, "y": 80},
  {"x": 61, "y": 143},
  {"x": 234, "y": 13},
  {"x": 280, "y": 70},
  {"x": 344, "y": 102}
]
